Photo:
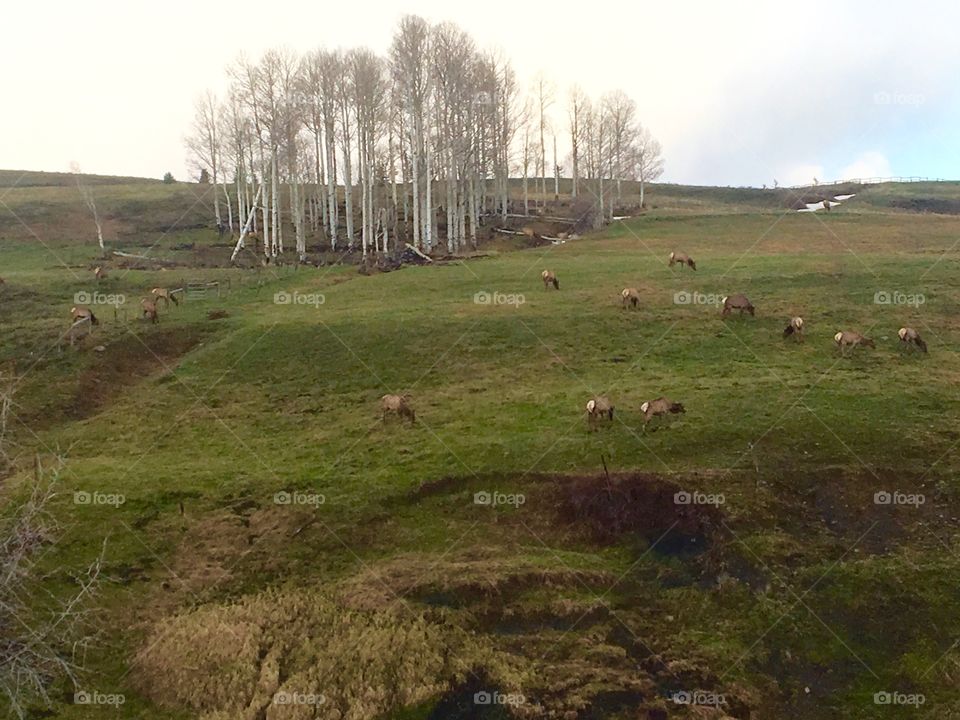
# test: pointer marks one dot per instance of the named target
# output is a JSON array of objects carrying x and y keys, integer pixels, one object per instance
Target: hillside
[{"x": 279, "y": 539}]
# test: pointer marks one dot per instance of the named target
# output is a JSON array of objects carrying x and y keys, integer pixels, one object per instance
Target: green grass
[{"x": 798, "y": 439}]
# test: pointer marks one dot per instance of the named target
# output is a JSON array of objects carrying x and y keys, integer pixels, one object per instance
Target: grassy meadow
[{"x": 277, "y": 536}]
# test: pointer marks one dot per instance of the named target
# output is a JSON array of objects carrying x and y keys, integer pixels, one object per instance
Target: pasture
[{"x": 277, "y": 536}]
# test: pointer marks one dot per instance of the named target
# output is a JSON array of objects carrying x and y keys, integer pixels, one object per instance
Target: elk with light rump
[
  {"x": 549, "y": 278},
  {"x": 795, "y": 328},
  {"x": 597, "y": 408},
  {"x": 79, "y": 312},
  {"x": 659, "y": 408},
  {"x": 908, "y": 335},
  {"x": 398, "y": 405},
  {"x": 165, "y": 295},
  {"x": 850, "y": 339},
  {"x": 630, "y": 295},
  {"x": 683, "y": 259}
]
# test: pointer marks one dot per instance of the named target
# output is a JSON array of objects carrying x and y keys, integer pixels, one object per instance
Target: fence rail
[{"x": 869, "y": 181}]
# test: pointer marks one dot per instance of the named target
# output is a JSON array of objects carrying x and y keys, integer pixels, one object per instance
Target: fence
[{"x": 869, "y": 181}]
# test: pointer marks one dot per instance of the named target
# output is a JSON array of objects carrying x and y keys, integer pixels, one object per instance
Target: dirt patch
[
  {"x": 125, "y": 363},
  {"x": 942, "y": 206},
  {"x": 637, "y": 503}
]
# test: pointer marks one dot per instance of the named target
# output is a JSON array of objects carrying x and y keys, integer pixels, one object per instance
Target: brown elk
[
  {"x": 398, "y": 405},
  {"x": 795, "y": 328},
  {"x": 850, "y": 339},
  {"x": 683, "y": 259},
  {"x": 908, "y": 335},
  {"x": 149, "y": 309},
  {"x": 549, "y": 278},
  {"x": 79, "y": 312},
  {"x": 165, "y": 295},
  {"x": 658, "y": 408},
  {"x": 598, "y": 408},
  {"x": 630, "y": 295},
  {"x": 736, "y": 302}
]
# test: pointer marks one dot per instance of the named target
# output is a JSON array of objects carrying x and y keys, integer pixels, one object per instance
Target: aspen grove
[{"x": 416, "y": 146}]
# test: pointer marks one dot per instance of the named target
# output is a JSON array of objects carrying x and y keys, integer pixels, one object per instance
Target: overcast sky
[{"x": 738, "y": 93}]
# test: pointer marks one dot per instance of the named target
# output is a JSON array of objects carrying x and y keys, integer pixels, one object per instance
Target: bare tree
[
  {"x": 87, "y": 194},
  {"x": 577, "y": 102},
  {"x": 649, "y": 159},
  {"x": 544, "y": 99},
  {"x": 203, "y": 143},
  {"x": 38, "y": 647},
  {"x": 620, "y": 112}
]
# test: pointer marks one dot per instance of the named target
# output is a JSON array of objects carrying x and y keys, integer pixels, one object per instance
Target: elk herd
[
  {"x": 82, "y": 318},
  {"x": 600, "y": 409}
]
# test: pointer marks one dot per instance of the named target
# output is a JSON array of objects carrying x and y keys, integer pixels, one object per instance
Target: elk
[
  {"x": 398, "y": 405},
  {"x": 149, "y": 308},
  {"x": 597, "y": 408},
  {"x": 79, "y": 329},
  {"x": 165, "y": 295},
  {"x": 78, "y": 312},
  {"x": 659, "y": 407},
  {"x": 736, "y": 302},
  {"x": 850, "y": 339},
  {"x": 683, "y": 259},
  {"x": 909, "y": 335},
  {"x": 549, "y": 278},
  {"x": 100, "y": 273},
  {"x": 630, "y": 295},
  {"x": 795, "y": 328}
]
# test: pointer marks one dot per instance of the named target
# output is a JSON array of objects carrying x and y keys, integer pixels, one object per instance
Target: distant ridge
[{"x": 32, "y": 178}]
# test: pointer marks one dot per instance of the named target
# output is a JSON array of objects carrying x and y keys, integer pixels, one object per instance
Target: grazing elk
[
  {"x": 549, "y": 278},
  {"x": 79, "y": 312},
  {"x": 630, "y": 295},
  {"x": 683, "y": 259},
  {"x": 100, "y": 273},
  {"x": 165, "y": 295},
  {"x": 658, "y": 408},
  {"x": 795, "y": 328},
  {"x": 910, "y": 336},
  {"x": 149, "y": 310},
  {"x": 736, "y": 302},
  {"x": 597, "y": 408},
  {"x": 398, "y": 405},
  {"x": 850, "y": 339}
]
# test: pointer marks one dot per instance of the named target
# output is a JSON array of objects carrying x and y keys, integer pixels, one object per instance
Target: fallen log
[{"x": 426, "y": 258}]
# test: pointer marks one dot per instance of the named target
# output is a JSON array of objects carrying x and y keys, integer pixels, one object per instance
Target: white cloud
[
  {"x": 870, "y": 164},
  {"x": 800, "y": 175}
]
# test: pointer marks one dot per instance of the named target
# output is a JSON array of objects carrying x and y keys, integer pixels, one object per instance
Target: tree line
[{"x": 420, "y": 143}]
